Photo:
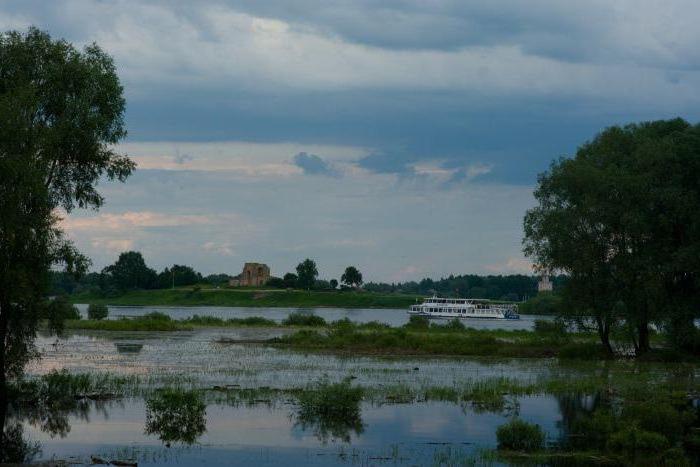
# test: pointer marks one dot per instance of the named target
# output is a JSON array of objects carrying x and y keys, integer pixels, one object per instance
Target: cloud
[
  {"x": 179, "y": 158},
  {"x": 405, "y": 273},
  {"x": 312, "y": 164},
  {"x": 511, "y": 266},
  {"x": 245, "y": 159},
  {"x": 128, "y": 221}
]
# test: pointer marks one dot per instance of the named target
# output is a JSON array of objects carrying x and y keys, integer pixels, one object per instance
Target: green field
[{"x": 251, "y": 298}]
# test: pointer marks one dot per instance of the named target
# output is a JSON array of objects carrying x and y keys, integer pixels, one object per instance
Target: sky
[{"x": 400, "y": 136}]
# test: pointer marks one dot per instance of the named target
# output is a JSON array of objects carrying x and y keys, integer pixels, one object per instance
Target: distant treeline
[
  {"x": 515, "y": 287},
  {"x": 130, "y": 272}
]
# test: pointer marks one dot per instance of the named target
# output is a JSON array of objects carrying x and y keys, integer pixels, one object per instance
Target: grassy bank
[
  {"x": 251, "y": 298},
  {"x": 469, "y": 342}
]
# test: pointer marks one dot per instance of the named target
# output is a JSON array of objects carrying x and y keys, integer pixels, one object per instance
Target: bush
[
  {"x": 453, "y": 325},
  {"x": 205, "y": 320},
  {"x": 302, "y": 319},
  {"x": 416, "y": 322},
  {"x": 97, "y": 312},
  {"x": 57, "y": 311},
  {"x": 275, "y": 282},
  {"x": 519, "y": 435},
  {"x": 156, "y": 316},
  {"x": 659, "y": 417},
  {"x": 550, "y": 328},
  {"x": 633, "y": 441},
  {"x": 542, "y": 304},
  {"x": 252, "y": 321}
]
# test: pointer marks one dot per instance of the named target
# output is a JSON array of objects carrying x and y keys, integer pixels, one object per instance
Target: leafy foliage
[
  {"x": 621, "y": 220},
  {"x": 61, "y": 114},
  {"x": 303, "y": 319},
  {"x": 130, "y": 272},
  {"x": 97, "y": 311},
  {"x": 352, "y": 277},
  {"x": 511, "y": 287},
  {"x": 306, "y": 274}
]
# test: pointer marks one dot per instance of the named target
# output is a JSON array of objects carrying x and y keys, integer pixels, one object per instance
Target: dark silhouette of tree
[
  {"x": 352, "y": 277},
  {"x": 130, "y": 272},
  {"x": 61, "y": 113},
  {"x": 306, "y": 274},
  {"x": 621, "y": 220}
]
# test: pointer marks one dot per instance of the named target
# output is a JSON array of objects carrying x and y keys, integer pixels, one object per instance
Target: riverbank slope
[{"x": 251, "y": 298}]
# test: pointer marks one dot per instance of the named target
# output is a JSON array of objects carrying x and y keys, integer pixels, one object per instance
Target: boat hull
[{"x": 463, "y": 315}]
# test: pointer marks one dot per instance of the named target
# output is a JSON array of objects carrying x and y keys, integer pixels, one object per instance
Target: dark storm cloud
[{"x": 312, "y": 164}]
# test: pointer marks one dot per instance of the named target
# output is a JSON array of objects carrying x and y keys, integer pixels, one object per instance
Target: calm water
[
  {"x": 394, "y": 317},
  {"x": 421, "y": 433},
  {"x": 415, "y": 434}
]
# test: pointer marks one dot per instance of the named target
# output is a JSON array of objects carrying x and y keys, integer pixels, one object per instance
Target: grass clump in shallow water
[
  {"x": 519, "y": 435},
  {"x": 331, "y": 409}
]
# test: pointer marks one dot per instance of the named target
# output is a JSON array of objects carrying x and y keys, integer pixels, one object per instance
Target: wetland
[{"x": 244, "y": 393}]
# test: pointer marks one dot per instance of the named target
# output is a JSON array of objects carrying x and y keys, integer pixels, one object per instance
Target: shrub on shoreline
[
  {"x": 302, "y": 319},
  {"x": 97, "y": 311}
]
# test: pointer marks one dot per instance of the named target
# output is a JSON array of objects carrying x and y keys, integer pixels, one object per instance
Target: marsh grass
[
  {"x": 303, "y": 319},
  {"x": 415, "y": 339},
  {"x": 332, "y": 410},
  {"x": 519, "y": 435}
]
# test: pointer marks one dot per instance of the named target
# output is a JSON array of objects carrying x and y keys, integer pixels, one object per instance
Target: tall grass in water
[
  {"x": 519, "y": 435},
  {"x": 331, "y": 409}
]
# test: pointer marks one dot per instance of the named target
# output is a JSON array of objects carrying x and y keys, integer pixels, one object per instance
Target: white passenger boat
[{"x": 464, "y": 308}]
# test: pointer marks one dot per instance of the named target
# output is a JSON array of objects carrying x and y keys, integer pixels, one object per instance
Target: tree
[
  {"x": 352, "y": 277},
  {"x": 130, "y": 272},
  {"x": 97, "y": 311},
  {"x": 61, "y": 113},
  {"x": 177, "y": 276},
  {"x": 290, "y": 280},
  {"x": 333, "y": 284},
  {"x": 306, "y": 274},
  {"x": 621, "y": 220}
]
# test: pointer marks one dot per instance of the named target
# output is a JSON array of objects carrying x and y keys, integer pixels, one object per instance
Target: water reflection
[
  {"x": 329, "y": 428},
  {"x": 176, "y": 416},
  {"x": 14, "y": 448}
]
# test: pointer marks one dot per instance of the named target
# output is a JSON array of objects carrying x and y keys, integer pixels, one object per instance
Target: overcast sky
[{"x": 401, "y": 136}]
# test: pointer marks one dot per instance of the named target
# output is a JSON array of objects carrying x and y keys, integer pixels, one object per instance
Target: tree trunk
[
  {"x": 604, "y": 334},
  {"x": 643, "y": 334},
  {"x": 4, "y": 311}
]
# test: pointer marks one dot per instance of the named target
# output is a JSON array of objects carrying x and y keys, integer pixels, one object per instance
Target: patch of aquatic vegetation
[
  {"x": 405, "y": 341},
  {"x": 57, "y": 387},
  {"x": 331, "y": 410},
  {"x": 176, "y": 415}
]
